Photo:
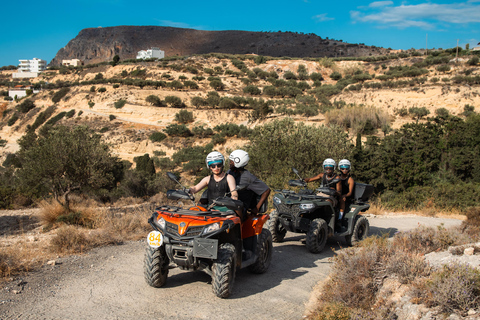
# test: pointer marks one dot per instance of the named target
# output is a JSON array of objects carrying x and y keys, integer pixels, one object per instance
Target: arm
[
  {"x": 339, "y": 188},
  {"x": 317, "y": 177},
  {"x": 201, "y": 185},
  {"x": 263, "y": 198},
  {"x": 351, "y": 184},
  {"x": 232, "y": 185}
]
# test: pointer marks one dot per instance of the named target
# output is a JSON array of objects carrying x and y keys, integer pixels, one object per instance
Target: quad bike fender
[
  {"x": 253, "y": 225},
  {"x": 354, "y": 211}
]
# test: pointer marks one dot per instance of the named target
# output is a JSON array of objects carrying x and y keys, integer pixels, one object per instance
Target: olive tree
[
  {"x": 64, "y": 159},
  {"x": 278, "y": 146}
]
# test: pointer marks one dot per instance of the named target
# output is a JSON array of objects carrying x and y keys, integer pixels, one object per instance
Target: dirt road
[{"x": 107, "y": 283}]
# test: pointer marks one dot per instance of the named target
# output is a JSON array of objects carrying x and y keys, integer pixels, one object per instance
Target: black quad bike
[
  {"x": 208, "y": 238},
  {"x": 307, "y": 212}
]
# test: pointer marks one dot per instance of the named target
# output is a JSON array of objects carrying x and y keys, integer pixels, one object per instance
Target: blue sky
[{"x": 40, "y": 28}]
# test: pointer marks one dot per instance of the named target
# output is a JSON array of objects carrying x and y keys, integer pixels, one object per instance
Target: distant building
[
  {"x": 151, "y": 53},
  {"x": 72, "y": 62},
  {"x": 30, "y": 68},
  {"x": 20, "y": 91}
]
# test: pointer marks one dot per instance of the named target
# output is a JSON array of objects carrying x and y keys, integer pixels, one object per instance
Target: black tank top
[
  {"x": 345, "y": 186},
  {"x": 217, "y": 189},
  {"x": 325, "y": 182}
]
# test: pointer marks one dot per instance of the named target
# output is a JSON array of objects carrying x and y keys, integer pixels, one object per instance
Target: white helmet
[
  {"x": 240, "y": 158},
  {"x": 214, "y": 157},
  {"x": 344, "y": 163},
  {"x": 329, "y": 163}
]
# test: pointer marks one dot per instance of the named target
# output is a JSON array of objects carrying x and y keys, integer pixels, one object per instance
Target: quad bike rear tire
[
  {"x": 264, "y": 252},
  {"x": 317, "y": 235},
  {"x": 276, "y": 228},
  {"x": 155, "y": 266},
  {"x": 223, "y": 271},
  {"x": 360, "y": 231}
]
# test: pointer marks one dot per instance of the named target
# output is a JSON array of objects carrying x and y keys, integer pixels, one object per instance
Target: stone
[
  {"x": 469, "y": 251},
  {"x": 51, "y": 262}
]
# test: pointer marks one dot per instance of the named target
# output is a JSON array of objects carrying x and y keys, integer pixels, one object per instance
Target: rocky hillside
[
  {"x": 94, "y": 45},
  {"x": 94, "y": 94}
]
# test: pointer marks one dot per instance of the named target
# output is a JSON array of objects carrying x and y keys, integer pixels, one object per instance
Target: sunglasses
[
  {"x": 328, "y": 167},
  {"x": 213, "y": 166},
  {"x": 344, "y": 168}
]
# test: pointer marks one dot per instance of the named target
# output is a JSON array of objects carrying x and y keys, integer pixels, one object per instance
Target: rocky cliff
[{"x": 95, "y": 45}]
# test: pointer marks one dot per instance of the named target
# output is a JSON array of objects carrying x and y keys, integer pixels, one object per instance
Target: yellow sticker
[{"x": 155, "y": 239}]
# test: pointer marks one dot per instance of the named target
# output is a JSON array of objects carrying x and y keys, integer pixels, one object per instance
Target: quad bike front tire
[
  {"x": 276, "y": 228},
  {"x": 155, "y": 266},
  {"x": 263, "y": 251},
  {"x": 223, "y": 271},
  {"x": 360, "y": 231},
  {"x": 317, "y": 235}
]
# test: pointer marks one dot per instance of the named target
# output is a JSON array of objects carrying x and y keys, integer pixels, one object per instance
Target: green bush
[
  {"x": 174, "y": 101},
  {"x": 276, "y": 147},
  {"x": 336, "y": 75},
  {"x": 201, "y": 132},
  {"x": 60, "y": 94},
  {"x": 198, "y": 102},
  {"x": 184, "y": 116},
  {"x": 154, "y": 100},
  {"x": 157, "y": 136},
  {"x": 179, "y": 130},
  {"x": 217, "y": 85},
  {"x": 12, "y": 120},
  {"x": 253, "y": 90},
  {"x": 112, "y": 117},
  {"x": 120, "y": 103},
  {"x": 26, "y": 106},
  {"x": 102, "y": 89},
  {"x": 42, "y": 117}
]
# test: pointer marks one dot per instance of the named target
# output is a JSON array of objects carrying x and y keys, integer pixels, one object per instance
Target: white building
[
  {"x": 72, "y": 62},
  {"x": 151, "y": 53},
  {"x": 20, "y": 91},
  {"x": 30, "y": 68}
]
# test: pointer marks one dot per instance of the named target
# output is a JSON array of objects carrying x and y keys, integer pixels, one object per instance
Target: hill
[{"x": 95, "y": 45}]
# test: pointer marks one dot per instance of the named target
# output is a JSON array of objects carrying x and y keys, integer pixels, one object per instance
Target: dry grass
[
  {"x": 85, "y": 227},
  {"x": 356, "y": 117},
  {"x": 358, "y": 274}
]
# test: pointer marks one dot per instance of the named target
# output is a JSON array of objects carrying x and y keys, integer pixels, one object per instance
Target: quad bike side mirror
[
  {"x": 240, "y": 187},
  {"x": 297, "y": 173},
  {"x": 172, "y": 177}
]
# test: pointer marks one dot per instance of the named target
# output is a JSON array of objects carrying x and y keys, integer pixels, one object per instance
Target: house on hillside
[
  {"x": 30, "y": 68},
  {"x": 72, "y": 63},
  {"x": 151, "y": 53},
  {"x": 20, "y": 91}
]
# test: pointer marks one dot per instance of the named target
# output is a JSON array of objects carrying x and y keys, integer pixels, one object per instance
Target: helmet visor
[
  {"x": 218, "y": 162},
  {"x": 345, "y": 166},
  {"x": 328, "y": 167}
]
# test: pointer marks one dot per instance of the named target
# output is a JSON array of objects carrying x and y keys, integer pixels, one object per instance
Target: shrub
[
  {"x": 217, "y": 85},
  {"x": 174, "y": 101},
  {"x": 473, "y": 61},
  {"x": 443, "y": 68},
  {"x": 116, "y": 85},
  {"x": 280, "y": 145},
  {"x": 218, "y": 139},
  {"x": 70, "y": 113},
  {"x": 336, "y": 75},
  {"x": 227, "y": 103},
  {"x": 253, "y": 90},
  {"x": 360, "y": 119},
  {"x": 112, "y": 117},
  {"x": 184, "y": 116},
  {"x": 91, "y": 104},
  {"x": 26, "y": 106},
  {"x": 201, "y": 132},
  {"x": 120, "y": 103},
  {"x": 455, "y": 287},
  {"x": 316, "y": 76},
  {"x": 178, "y": 130},
  {"x": 154, "y": 100},
  {"x": 199, "y": 102},
  {"x": 102, "y": 89},
  {"x": 12, "y": 120},
  {"x": 289, "y": 75},
  {"x": 42, "y": 117}
]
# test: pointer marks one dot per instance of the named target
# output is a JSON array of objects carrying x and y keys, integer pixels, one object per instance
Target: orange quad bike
[{"x": 208, "y": 238}]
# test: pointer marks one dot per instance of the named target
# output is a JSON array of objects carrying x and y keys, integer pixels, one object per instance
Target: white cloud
[
  {"x": 377, "y": 4},
  {"x": 175, "y": 24},
  {"x": 322, "y": 17},
  {"x": 425, "y": 15}
]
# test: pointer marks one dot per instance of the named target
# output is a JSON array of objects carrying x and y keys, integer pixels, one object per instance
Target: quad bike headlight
[
  {"x": 212, "y": 227},
  {"x": 276, "y": 200},
  {"x": 161, "y": 223},
  {"x": 306, "y": 206}
]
